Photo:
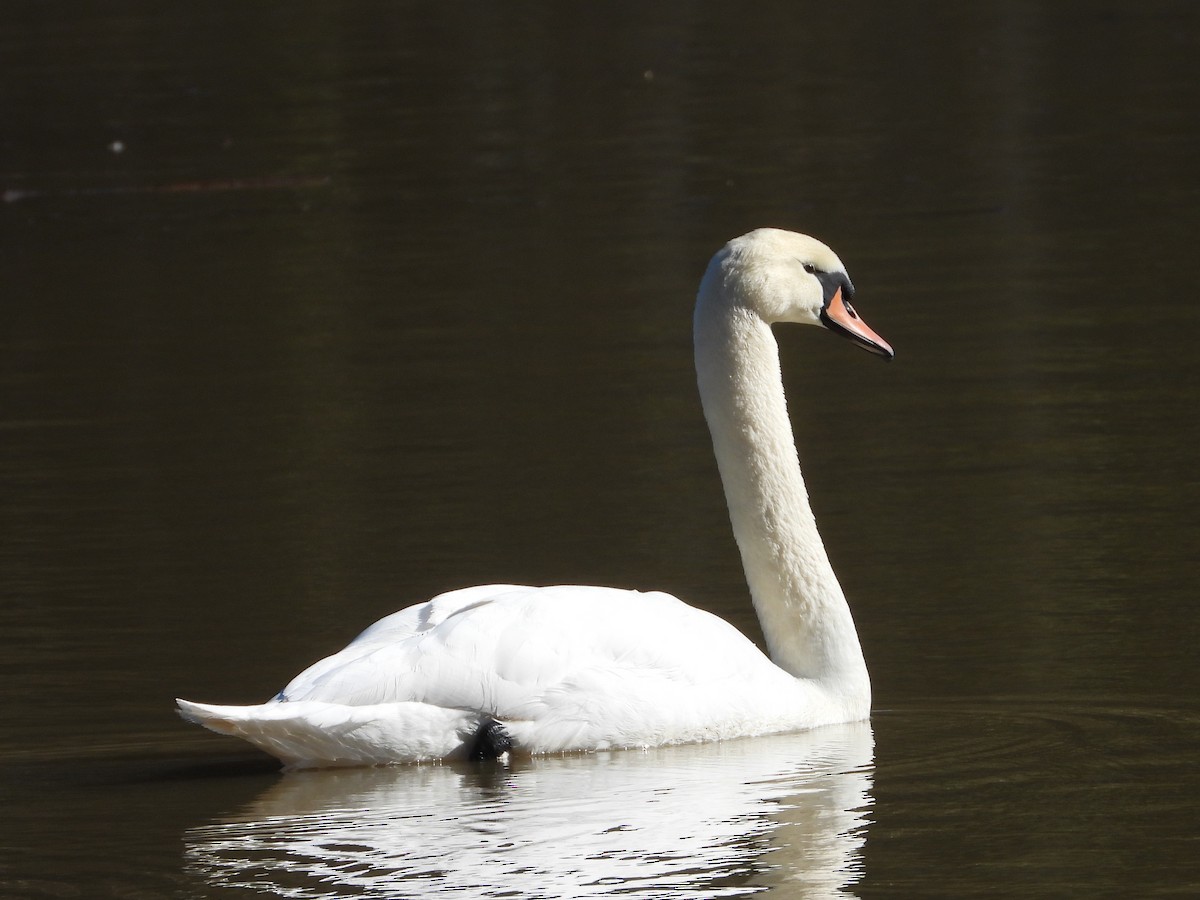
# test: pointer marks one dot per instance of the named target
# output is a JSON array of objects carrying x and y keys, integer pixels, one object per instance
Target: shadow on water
[{"x": 718, "y": 820}]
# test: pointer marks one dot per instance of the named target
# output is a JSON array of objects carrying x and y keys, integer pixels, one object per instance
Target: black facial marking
[{"x": 830, "y": 282}]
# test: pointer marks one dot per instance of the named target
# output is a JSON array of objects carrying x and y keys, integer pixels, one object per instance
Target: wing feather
[{"x": 527, "y": 653}]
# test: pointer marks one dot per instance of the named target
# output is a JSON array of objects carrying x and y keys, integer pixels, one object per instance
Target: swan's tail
[
  {"x": 309, "y": 734},
  {"x": 221, "y": 719}
]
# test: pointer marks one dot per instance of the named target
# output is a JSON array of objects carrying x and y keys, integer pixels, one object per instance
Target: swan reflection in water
[{"x": 712, "y": 820}]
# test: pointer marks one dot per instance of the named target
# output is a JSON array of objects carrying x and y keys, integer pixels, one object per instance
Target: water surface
[{"x": 311, "y": 313}]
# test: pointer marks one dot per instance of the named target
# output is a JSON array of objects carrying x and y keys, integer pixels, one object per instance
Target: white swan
[{"x": 484, "y": 670}]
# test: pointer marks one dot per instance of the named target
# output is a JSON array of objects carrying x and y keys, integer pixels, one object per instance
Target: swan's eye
[{"x": 809, "y": 268}]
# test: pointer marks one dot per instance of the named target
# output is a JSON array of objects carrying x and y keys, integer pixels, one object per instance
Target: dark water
[{"x": 308, "y": 313}]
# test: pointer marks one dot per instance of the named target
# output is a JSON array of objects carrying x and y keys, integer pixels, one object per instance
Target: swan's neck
[{"x": 800, "y": 605}]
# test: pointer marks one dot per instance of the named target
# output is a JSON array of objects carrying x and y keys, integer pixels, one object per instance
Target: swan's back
[{"x": 512, "y": 650}]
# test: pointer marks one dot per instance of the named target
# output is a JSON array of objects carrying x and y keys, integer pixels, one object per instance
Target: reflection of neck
[
  {"x": 816, "y": 852},
  {"x": 800, "y": 605}
]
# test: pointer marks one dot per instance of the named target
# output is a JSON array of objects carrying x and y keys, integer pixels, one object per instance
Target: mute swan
[{"x": 483, "y": 670}]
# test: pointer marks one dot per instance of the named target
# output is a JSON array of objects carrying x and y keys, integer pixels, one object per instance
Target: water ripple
[{"x": 723, "y": 820}]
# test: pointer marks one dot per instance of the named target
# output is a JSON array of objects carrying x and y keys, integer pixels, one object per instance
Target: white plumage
[{"x": 583, "y": 668}]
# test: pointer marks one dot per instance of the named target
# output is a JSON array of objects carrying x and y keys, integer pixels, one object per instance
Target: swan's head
[{"x": 783, "y": 276}]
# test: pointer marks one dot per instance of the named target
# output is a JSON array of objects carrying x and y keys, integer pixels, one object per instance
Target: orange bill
[{"x": 839, "y": 316}]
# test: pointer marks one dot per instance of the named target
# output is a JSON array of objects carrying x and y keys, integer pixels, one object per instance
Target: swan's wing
[
  {"x": 424, "y": 616},
  {"x": 517, "y": 652},
  {"x": 356, "y": 676}
]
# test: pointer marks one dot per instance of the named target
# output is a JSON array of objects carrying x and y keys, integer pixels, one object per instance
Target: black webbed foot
[{"x": 491, "y": 740}]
